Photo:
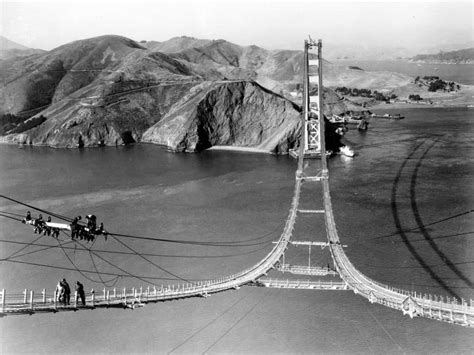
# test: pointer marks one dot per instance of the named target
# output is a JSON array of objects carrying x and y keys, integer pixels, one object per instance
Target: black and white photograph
[{"x": 236, "y": 177}]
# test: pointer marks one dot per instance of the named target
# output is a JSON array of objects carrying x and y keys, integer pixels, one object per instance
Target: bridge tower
[{"x": 313, "y": 125}]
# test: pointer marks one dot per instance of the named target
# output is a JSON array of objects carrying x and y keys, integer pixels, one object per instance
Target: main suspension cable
[
  {"x": 190, "y": 242},
  {"x": 37, "y": 209},
  {"x": 48, "y": 246}
]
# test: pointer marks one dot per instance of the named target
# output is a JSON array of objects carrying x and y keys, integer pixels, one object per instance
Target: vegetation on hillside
[
  {"x": 8, "y": 122},
  {"x": 415, "y": 97},
  {"x": 16, "y": 124},
  {"x": 379, "y": 96},
  {"x": 434, "y": 83}
]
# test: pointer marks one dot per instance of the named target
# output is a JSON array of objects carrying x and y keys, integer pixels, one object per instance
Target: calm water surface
[
  {"x": 402, "y": 206},
  {"x": 460, "y": 73}
]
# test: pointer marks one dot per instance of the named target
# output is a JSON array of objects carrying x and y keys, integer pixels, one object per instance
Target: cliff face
[
  {"x": 183, "y": 116},
  {"x": 237, "y": 113},
  {"x": 117, "y": 117}
]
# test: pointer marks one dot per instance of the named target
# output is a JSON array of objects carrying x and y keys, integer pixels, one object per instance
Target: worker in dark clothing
[
  {"x": 47, "y": 229},
  {"x": 28, "y": 216},
  {"x": 56, "y": 233},
  {"x": 75, "y": 227},
  {"x": 81, "y": 232},
  {"x": 67, "y": 291},
  {"x": 91, "y": 222},
  {"x": 80, "y": 293},
  {"x": 39, "y": 223},
  {"x": 102, "y": 230}
]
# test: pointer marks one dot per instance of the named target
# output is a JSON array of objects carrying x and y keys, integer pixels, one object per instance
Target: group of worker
[
  {"x": 63, "y": 293},
  {"x": 40, "y": 225},
  {"x": 89, "y": 231},
  {"x": 80, "y": 231}
]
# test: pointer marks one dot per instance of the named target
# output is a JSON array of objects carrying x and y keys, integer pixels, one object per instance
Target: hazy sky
[{"x": 270, "y": 24}]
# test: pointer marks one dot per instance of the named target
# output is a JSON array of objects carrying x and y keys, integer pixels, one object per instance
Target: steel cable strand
[
  {"x": 207, "y": 324},
  {"x": 90, "y": 271},
  {"x": 204, "y": 243},
  {"x": 47, "y": 246},
  {"x": 189, "y": 242},
  {"x": 121, "y": 269},
  {"x": 14, "y": 214},
  {"x": 26, "y": 246},
  {"x": 65, "y": 218},
  {"x": 424, "y": 225},
  {"x": 415, "y": 267},
  {"x": 236, "y": 322},
  {"x": 95, "y": 268},
  {"x": 10, "y": 217},
  {"x": 216, "y": 244},
  {"x": 114, "y": 280},
  {"x": 77, "y": 269},
  {"x": 151, "y": 262}
]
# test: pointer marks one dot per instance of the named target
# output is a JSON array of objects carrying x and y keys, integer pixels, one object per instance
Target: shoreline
[
  {"x": 238, "y": 149},
  {"x": 378, "y": 106},
  {"x": 3, "y": 141},
  {"x": 397, "y": 105}
]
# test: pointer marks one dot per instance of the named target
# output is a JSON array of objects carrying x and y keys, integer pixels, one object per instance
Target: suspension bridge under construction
[{"x": 311, "y": 170}]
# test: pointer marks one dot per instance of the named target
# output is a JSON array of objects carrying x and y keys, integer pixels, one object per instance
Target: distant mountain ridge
[
  {"x": 462, "y": 56},
  {"x": 186, "y": 93},
  {"x": 6, "y": 44},
  {"x": 10, "y": 49},
  {"x": 175, "y": 44}
]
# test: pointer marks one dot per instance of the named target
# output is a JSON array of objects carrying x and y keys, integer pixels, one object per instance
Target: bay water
[
  {"x": 403, "y": 207},
  {"x": 460, "y": 73}
]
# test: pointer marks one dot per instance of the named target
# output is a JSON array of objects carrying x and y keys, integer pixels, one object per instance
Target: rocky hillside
[
  {"x": 240, "y": 113},
  {"x": 185, "y": 93},
  {"x": 462, "y": 56},
  {"x": 112, "y": 90}
]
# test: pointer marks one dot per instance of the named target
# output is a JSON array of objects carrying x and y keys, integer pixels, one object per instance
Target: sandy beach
[{"x": 239, "y": 149}]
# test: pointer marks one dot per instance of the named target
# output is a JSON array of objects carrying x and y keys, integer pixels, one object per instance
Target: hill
[
  {"x": 462, "y": 56},
  {"x": 188, "y": 95},
  {"x": 175, "y": 44},
  {"x": 10, "y": 49},
  {"x": 110, "y": 90}
]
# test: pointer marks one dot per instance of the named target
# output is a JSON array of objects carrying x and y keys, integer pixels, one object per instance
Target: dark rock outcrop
[{"x": 239, "y": 113}]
